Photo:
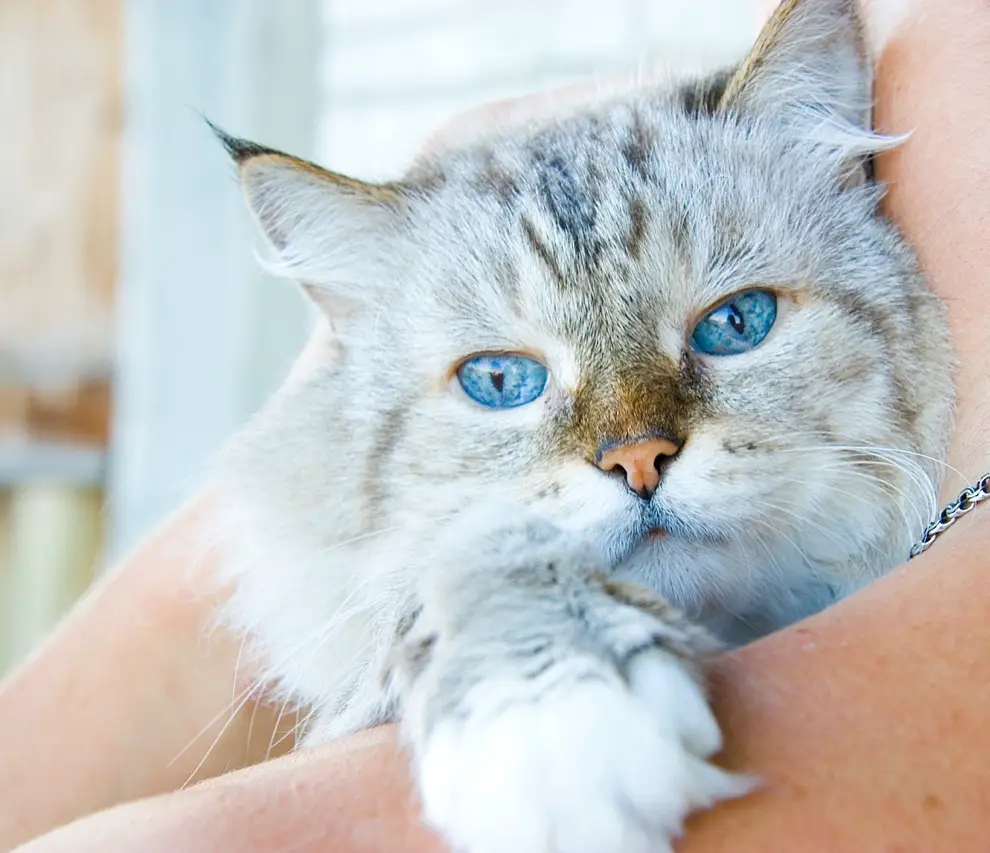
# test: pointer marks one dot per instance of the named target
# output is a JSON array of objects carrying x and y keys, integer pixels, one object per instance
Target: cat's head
[{"x": 675, "y": 320}]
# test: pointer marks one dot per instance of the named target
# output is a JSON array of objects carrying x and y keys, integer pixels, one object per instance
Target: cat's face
[{"x": 722, "y": 365}]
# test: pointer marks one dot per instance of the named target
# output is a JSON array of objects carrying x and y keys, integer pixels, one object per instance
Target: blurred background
[{"x": 136, "y": 330}]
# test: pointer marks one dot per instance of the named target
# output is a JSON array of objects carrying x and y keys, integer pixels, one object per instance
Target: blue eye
[
  {"x": 502, "y": 381},
  {"x": 737, "y": 326}
]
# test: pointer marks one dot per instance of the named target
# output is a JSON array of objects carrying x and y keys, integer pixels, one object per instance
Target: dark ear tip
[{"x": 240, "y": 150}]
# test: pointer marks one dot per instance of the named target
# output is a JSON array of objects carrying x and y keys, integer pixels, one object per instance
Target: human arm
[
  {"x": 867, "y": 724},
  {"x": 122, "y": 701}
]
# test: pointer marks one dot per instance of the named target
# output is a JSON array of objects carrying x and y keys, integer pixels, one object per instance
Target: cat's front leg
[{"x": 549, "y": 708}]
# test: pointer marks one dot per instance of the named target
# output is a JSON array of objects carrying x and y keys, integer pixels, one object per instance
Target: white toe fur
[{"x": 590, "y": 767}]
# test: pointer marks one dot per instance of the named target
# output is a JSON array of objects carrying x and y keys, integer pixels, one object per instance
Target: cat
[{"x": 609, "y": 392}]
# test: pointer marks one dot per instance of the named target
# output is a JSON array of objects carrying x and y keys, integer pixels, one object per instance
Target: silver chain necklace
[{"x": 966, "y": 502}]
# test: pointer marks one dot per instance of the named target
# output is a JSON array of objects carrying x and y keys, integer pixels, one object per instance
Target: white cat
[{"x": 665, "y": 349}]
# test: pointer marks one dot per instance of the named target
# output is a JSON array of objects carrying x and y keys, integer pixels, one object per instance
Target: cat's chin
[
  {"x": 716, "y": 583},
  {"x": 645, "y": 531}
]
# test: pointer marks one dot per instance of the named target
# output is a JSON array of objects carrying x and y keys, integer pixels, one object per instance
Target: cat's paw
[{"x": 589, "y": 765}]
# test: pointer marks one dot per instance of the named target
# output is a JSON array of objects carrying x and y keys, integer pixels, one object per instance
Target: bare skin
[{"x": 867, "y": 722}]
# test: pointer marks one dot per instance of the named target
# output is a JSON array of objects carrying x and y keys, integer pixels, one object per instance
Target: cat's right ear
[
  {"x": 811, "y": 71},
  {"x": 327, "y": 231}
]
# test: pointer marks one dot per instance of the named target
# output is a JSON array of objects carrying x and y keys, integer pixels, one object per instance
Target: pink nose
[{"x": 640, "y": 462}]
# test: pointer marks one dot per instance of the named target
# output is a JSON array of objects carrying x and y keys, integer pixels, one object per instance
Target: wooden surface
[
  {"x": 61, "y": 102},
  {"x": 61, "y": 96},
  {"x": 208, "y": 335},
  {"x": 76, "y": 413},
  {"x": 53, "y": 542}
]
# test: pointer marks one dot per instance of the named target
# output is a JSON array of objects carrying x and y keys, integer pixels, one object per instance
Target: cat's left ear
[
  {"x": 811, "y": 71},
  {"x": 329, "y": 232}
]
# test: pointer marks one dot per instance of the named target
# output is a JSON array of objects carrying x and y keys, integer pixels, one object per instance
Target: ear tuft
[
  {"x": 810, "y": 62},
  {"x": 329, "y": 232},
  {"x": 239, "y": 150},
  {"x": 811, "y": 72}
]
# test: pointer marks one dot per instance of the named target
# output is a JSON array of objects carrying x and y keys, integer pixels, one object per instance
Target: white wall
[
  {"x": 203, "y": 336},
  {"x": 396, "y": 69}
]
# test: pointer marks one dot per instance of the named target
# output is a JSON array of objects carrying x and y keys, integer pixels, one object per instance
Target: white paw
[{"x": 586, "y": 766}]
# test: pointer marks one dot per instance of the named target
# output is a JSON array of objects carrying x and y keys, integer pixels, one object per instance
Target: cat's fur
[{"x": 385, "y": 526}]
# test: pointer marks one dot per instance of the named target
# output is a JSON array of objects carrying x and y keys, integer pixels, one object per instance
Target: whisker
[
  {"x": 234, "y": 707},
  {"x": 868, "y": 447},
  {"x": 831, "y": 534},
  {"x": 908, "y": 500},
  {"x": 779, "y": 533},
  {"x": 216, "y": 740},
  {"x": 901, "y": 460}
]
